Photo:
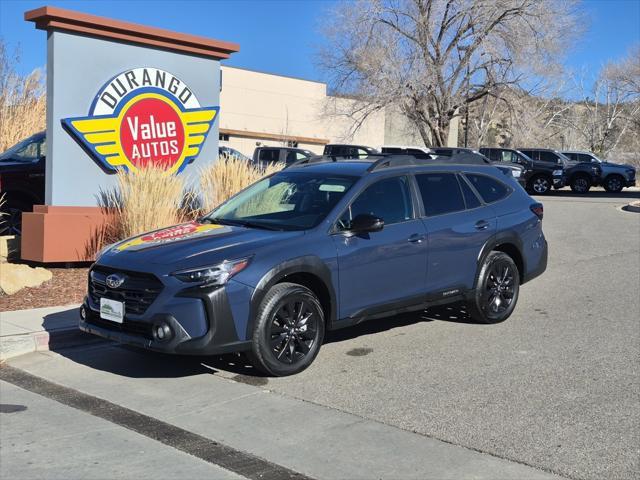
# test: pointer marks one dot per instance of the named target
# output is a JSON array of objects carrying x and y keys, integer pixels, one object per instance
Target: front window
[
  {"x": 26, "y": 151},
  {"x": 284, "y": 201},
  {"x": 388, "y": 199}
]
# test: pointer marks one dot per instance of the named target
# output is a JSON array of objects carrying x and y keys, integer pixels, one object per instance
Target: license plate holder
[{"x": 112, "y": 310}]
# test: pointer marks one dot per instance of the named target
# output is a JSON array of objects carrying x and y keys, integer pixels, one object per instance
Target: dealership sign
[{"x": 143, "y": 117}]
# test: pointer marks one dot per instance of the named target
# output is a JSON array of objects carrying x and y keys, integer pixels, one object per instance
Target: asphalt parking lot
[{"x": 556, "y": 387}]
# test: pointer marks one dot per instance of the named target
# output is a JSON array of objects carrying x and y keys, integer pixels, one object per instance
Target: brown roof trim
[
  {"x": 54, "y": 18},
  {"x": 273, "y": 136}
]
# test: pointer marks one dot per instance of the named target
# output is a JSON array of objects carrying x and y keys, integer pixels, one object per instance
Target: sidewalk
[{"x": 26, "y": 331}]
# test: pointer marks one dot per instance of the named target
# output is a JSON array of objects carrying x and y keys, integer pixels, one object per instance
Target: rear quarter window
[{"x": 490, "y": 189}]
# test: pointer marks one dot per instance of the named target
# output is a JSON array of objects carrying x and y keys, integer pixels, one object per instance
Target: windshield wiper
[{"x": 239, "y": 223}]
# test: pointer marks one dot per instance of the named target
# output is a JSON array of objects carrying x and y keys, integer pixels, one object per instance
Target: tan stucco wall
[{"x": 291, "y": 107}]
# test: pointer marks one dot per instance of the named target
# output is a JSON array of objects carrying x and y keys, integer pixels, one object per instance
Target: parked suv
[
  {"x": 580, "y": 176},
  {"x": 537, "y": 177},
  {"x": 286, "y": 155},
  {"x": 22, "y": 171},
  {"x": 317, "y": 247},
  {"x": 348, "y": 151},
  {"x": 615, "y": 176}
]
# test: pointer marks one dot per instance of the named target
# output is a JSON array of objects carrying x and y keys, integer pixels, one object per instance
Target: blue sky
[{"x": 281, "y": 36}]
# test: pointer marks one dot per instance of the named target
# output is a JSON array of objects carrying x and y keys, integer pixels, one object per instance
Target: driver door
[{"x": 381, "y": 268}]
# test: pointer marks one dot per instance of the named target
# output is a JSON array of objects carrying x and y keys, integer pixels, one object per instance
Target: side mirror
[{"x": 365, "y": 223}]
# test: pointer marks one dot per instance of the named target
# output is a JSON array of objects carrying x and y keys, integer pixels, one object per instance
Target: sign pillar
[{"x": 119, "y": 96}]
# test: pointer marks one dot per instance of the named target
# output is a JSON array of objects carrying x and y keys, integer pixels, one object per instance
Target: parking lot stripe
[{"x": 242, "y": 463}]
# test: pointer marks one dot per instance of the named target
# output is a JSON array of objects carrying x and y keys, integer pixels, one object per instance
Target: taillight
[{"x": 538, "y": 209}]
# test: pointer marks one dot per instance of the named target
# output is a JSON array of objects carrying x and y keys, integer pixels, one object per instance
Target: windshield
[
  {"x": 284, "y": 201},
  {"x": 28, "y": 150}
]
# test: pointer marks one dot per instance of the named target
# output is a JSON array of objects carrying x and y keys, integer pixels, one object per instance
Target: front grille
[{"x": 138, "y": 291}]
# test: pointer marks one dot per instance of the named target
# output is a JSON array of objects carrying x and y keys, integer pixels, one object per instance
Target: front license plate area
[{"x": 111, "y": 310}]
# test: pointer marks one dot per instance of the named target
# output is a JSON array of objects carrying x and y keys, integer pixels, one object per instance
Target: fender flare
[
  {"x": 499, "y": 239},
  {"x": 309, "y": 264}
]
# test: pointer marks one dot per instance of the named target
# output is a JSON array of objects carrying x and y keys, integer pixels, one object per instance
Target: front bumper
[
  {"x": 559, "y": 182},
  {"x": 220, "y": 336},
  {"x": 630, "y": 182}
]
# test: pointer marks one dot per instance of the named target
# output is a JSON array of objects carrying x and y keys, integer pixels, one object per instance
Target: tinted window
[
  {"x": 440, "y": 193},
  {"x": 583, "y": 157},
  {"x": 470, "y": 198},
  {"x": 489, "y": 189},
  {"x": 571, "y": 156},
  {"x": 549, "y": 157},
  {"x": 388, "y": 199},
  {"x": 531, "y": 154},
  {"x": 269, "y": 155}
]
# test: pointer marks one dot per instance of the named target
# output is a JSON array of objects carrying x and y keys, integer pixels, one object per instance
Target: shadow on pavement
[{"x": 138, "y": 363}]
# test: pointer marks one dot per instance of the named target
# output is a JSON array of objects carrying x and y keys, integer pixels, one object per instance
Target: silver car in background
[{"x": 615, "y": 176}]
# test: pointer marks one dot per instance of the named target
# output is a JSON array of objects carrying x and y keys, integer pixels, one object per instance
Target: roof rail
[
  {"x": 332, "y": 158},
  {"x": 463, "y": 158}
]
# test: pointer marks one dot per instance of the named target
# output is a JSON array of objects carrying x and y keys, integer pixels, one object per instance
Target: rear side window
[
  {"x": 270, "y": 155},
  {"x": 440, "y": 193},
  {"x": 549, "y": 157},
  {"x": 470, "y": 198},
  {"x": 490, "y": 189}
]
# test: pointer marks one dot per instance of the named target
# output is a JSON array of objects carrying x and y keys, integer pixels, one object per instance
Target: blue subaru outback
[{"x": 319, "y": 246}]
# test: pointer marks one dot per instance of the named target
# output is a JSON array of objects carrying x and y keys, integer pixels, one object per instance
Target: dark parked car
[
  {"x": 22, "y": 172},
  {"x": 348, "y": 151},
  {"x": 316, "y": 247},
  {"x": 615, "y": 176},
  {"x": 538, "y": 177},
  {"x": 286, "y": 155},
  {"x": 232, "y": 152},
  {"x": 580, "y": 176}
]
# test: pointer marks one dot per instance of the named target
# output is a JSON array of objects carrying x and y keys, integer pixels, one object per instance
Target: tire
[
  {"x": 580, "y": 184},
  {"x": 288, "y": 331},
  {"x": 613, "y": 183},
  {"x": 491, "y": 293},
  {"x": 540, "y": 184}
]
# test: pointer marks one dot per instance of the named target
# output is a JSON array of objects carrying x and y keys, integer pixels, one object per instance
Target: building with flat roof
[{"x": 264, "y": 109}]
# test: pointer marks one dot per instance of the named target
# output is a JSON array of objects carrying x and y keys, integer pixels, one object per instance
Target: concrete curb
[
  {"x": 632, "y": 207},
  {"x": 35, "y": 330},
  {"x": 15, "y": 345}
]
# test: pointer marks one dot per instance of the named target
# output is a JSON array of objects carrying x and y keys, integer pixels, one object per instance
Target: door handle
[
  {"x": 482, "y": 225},
  {"x": 416, "y": 238}
]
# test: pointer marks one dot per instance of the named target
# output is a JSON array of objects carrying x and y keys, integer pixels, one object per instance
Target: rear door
[
  {"x": 386, "y": 267},
  {"x": 458, "y": 225}
]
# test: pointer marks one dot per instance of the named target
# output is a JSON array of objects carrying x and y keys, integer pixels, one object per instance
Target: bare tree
[
  {"x": 432, "y": 58},
  {"x": 610, "y": 106}
]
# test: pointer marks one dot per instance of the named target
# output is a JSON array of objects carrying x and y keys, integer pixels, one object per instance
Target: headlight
[
  {"x": 214, "y": 275},
  {"x": 557, "y": 173},
  {"x": 515, "y": 173},
  {"x": 596, "y": 170}
]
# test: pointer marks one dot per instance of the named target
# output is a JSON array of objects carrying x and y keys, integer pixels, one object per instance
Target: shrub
[
  {"x": 22, "y": 101},
  {"x": 143, "y": 201}
]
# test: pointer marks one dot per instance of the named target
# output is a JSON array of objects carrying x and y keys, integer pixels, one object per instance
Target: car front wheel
[
  {"x": 288, "y": 330},
  {"x": 497, "y": 288}
]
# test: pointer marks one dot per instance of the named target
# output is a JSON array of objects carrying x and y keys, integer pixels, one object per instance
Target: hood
[
  {"x": 189, "y": 245},
  {"x": 617, "y": 165}
]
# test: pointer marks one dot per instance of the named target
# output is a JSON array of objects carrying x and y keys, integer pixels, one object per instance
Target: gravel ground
[{"x": 68, "y": 286}]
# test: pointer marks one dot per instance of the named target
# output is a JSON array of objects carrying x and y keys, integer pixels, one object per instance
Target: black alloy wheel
[
  {"x": 580, "y": 184},
  {"x": 497, "y": 289},
  {"x": 293, "y": 331},
  {"x": 613, "y": 184},
  {"x": 288, "y": 330}
]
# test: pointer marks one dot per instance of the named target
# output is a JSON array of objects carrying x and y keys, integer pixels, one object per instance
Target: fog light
[
  {"x": 162, "y": 332},
  {"x": 83, "y": 313}
]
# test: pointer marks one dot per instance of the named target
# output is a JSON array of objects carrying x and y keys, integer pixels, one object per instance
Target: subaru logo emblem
[{"x": 115, "y": 280}]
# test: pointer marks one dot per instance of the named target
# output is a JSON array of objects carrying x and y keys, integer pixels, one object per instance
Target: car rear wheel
[
  {"x": 497, "y": 288},
  {"x": 613, "y": 183},
  {"x": 540, "y": 184},
  {"x": 580, "y": 184},
  {"x": 288, "y": 331}
]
